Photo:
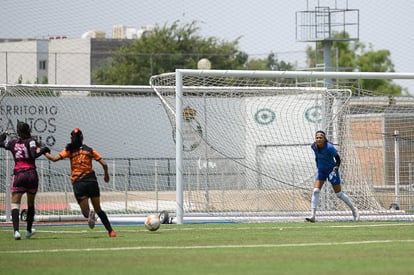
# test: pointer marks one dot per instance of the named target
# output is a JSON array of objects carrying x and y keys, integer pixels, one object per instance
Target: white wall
[
  {"x": 70, "y": 61},
  {"x": 20, "y": 58}
]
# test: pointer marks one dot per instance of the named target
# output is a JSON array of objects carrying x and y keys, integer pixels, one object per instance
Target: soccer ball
[{"x": 152, "y": 222}]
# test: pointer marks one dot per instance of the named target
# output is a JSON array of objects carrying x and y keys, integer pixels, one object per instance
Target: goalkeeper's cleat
[
  {"x": 310, "y": 219},
  {"x": 29, "y": 234},
  {"x": 112, "y": 234},
  {"x": 17, "y": 235},
  {"x": 355, "y": 213},
  {"x": 91, "y": 219}
]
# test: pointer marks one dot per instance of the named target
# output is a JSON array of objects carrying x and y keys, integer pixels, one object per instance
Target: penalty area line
[{"x": 202, "y": 247}]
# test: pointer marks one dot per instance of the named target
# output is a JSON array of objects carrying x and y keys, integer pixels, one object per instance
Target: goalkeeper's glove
[{"x": 335, "y": 169}]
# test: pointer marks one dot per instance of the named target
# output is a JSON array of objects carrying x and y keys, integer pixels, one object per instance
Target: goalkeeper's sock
[
  {"x": 104, "y": 219},
  {"x": 313, "y": 212},
  {"x": 314, "y": 201},
  {"x": 346, "y": 200}
]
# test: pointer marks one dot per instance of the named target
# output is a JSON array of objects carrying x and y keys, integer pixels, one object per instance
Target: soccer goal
[{"x": 243, "y": 143}]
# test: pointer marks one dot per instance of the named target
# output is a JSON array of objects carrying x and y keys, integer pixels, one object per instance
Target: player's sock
[
  {"x": 30, "y": 217},
  {"x": 15, "y": 219},
  {"x": 104, "y": 219},
  {"x": 85, "y": 213}
]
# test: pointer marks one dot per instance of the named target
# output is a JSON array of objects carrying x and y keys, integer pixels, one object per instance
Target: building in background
[
  {"x": 72, "y": 61},
  {"x": 130, "y": 32},
  {"x": 62, "y": 60},
  {"x": 94, "y": 34},
  {"x": 24, "y": 60}
]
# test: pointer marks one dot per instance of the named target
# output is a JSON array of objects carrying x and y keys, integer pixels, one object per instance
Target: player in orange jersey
[{"x": 83, "y": 178}]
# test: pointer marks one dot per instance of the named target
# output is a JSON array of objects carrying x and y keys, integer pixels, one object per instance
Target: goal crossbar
[{"x": 295, "y": 74}]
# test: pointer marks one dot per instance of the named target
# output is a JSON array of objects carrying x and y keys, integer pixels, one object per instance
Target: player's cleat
[
  {"x": 310, "y": 219},
  {"x": 91, "y": 219},
  {"x": 112, "y": 234},
  {"x": 356, "y": 215},
  {"x": 17, "y": 235},
  {"x": 29, "y": 234}
]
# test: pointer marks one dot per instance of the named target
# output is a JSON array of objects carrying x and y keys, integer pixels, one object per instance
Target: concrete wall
[{"x": 20, "y": 60}]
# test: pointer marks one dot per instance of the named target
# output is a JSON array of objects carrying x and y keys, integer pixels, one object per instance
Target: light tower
[{"x": 326, "y": 23}]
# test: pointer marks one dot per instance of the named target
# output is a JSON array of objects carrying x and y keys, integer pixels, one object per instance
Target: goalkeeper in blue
[{"x": 327, "y": 162}]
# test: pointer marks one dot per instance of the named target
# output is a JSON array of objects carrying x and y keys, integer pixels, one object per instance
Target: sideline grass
[{"x": 266, "y": 248}]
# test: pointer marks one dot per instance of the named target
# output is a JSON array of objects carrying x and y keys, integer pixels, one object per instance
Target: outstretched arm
[
  {"x": 53, "y": 157},
  {"x": 105, "y": 168},
  {"x": 36, "y": 152}
]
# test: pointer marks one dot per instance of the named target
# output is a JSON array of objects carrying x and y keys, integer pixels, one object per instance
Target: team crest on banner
[
  {"x": 264, "y": 116},
  {"x": 314, "y": 114},
  {"x": 192, "y": 131}
]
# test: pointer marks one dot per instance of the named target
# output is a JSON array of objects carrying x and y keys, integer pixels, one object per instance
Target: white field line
[
  {"x": 202, "y": 247},
  {"x": 165, "y": 227},
  {"x": 168, "y": 227},
  {"x": 192, "y": 229}
]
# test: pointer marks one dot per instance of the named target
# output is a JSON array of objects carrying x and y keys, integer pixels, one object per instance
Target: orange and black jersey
[{"x": 81, "y": 161}]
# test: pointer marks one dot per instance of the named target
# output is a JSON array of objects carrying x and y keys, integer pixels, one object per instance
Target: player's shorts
[
  {"x": 323, "y": 174},
  {"x": 25, "y": 181},
  {"x": 86, "y": 187}
]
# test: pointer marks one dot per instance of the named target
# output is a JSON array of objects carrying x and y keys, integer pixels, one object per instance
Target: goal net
[
  {"x": 125, "y": 124},
  {"x": 246, "y": 139},
  {"x": 244, "y": 147}
]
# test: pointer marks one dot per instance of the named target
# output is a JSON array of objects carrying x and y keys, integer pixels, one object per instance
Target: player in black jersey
[{"x": 25, "y": 150}]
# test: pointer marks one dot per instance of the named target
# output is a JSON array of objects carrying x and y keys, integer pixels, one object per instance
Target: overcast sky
[{"x": 264, "y": 25}]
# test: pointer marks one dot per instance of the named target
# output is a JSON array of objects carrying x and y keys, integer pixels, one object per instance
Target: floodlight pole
[{"x": 327, "y": 60}]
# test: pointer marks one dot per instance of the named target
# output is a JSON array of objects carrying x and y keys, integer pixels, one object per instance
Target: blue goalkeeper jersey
[{"x": 325, "y": 156}]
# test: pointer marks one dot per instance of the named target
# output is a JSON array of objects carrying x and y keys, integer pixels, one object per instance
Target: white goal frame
[{"x": 247, "y": 180}]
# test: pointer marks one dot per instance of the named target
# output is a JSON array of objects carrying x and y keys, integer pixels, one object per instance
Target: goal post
[{"x": 203, "y": 109}]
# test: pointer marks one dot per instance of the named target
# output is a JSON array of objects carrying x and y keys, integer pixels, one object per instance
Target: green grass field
[{"x": 262, "y": 248}]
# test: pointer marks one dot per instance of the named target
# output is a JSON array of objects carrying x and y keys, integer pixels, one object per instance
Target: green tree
[
  {"x": 271, "y": 63},
  {"x": 164, "y": 50},
  {"x": 353, "y": 55}
]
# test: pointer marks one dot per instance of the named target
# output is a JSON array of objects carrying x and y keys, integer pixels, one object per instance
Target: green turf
[{"x": 266, "y": 248}]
